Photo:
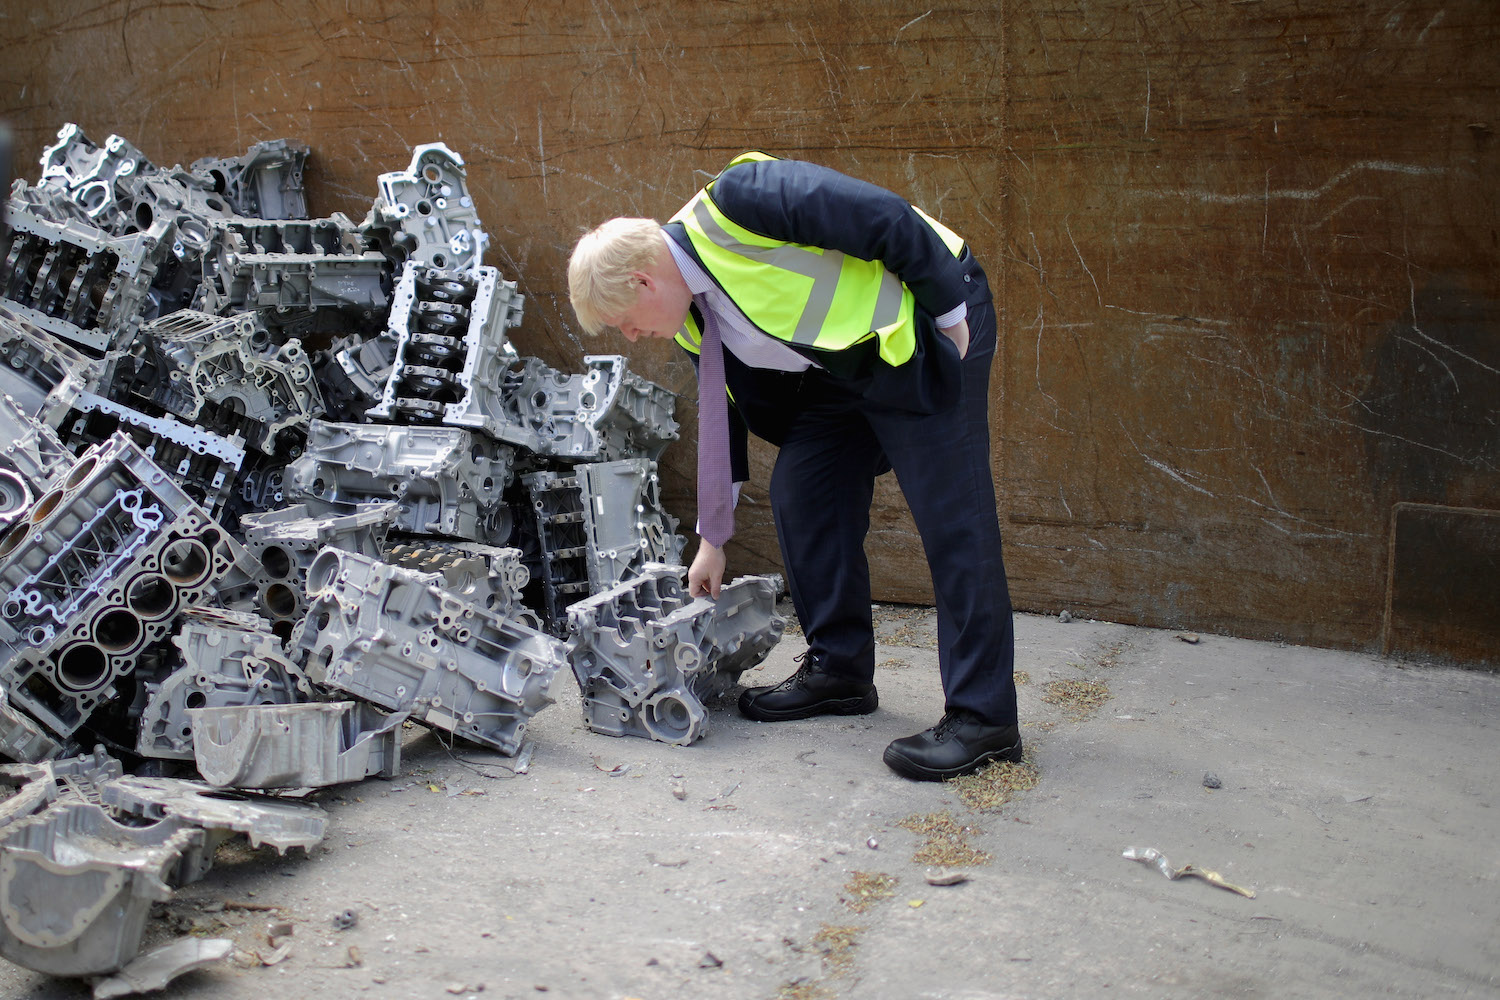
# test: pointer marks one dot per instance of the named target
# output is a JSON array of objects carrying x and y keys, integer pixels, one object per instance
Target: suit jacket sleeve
[{"x": 798, "y": 202}]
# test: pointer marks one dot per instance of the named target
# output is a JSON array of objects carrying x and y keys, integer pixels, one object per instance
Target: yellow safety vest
[{"x": 804, "y": 295}]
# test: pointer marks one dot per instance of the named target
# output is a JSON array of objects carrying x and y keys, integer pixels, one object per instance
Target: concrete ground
[{"x": 775, "y": 861}]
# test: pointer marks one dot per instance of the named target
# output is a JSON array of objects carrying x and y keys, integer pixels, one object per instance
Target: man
[{"x": 854, "y": 332}]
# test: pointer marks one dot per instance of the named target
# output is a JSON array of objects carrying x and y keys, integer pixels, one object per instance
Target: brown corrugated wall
[{"x": 1245, "y": 252}]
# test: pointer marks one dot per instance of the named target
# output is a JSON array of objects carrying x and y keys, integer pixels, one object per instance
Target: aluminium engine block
[
  {"x": 594, "y": 526},
  {"x": 296, "y": 275},
  {"x": 399, "y": 639},
  {"x": 121, "y": 191},
  {"x": 94, "y": 574},
  {"x": 263, "y": 183},
  {"x": 33, "y": 361},
  {"x": 226, "y": 663},
  {"x": 285, "y": 542},
  {"x": 604, "y": 413},
  {"x": 78, "y": 282},
  {"x": 647, "y": 657},
  {"x": 225, "y": 374},
  {"x": 445, "y": 480},
  {"x": 424, "y": 213},
  {"x": 203, "y": 464},
  {"x": 451, "y": 350},
  {"x": 489, "y": 577}
]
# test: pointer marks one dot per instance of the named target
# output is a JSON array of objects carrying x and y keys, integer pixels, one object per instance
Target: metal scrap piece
[
  {"x": 281, "y": 824},
  {"x": 76, "y": 886},
  {"x": 295, "y": 746},
  {"x": 155, "y": 969},
  {"x": 1157, "y": 860}
]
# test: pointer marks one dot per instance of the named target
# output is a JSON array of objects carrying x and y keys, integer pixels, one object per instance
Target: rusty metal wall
[{"x": 1245, "y": 253}]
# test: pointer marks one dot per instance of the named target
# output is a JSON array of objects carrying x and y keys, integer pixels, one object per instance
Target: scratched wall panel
[
  {"x": 1246, "y": 253},
  {"x": 1252, "y": 301},
  {"x": 566, "y": 113}
]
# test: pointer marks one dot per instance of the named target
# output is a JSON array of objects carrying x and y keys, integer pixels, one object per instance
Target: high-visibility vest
[{"x": 806, "y": 296}]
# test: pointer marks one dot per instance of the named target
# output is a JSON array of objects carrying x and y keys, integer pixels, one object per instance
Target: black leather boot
[
  {"x": 959, "y": 744},
  {"x": 806, "y": 693}
]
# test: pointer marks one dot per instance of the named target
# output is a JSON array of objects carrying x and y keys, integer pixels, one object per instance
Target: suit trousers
[{"x": 834, "y": 443}]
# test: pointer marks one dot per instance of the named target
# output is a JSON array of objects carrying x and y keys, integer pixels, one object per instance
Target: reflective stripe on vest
[
  {"x": 823, "y": 268},
  {"x": 807, "y": 296}
]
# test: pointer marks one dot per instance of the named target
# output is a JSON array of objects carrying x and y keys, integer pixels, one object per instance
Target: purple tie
[{"x": 715, "y": 503}]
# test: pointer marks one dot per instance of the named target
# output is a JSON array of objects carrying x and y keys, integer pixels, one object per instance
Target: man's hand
[
  {"x": 959, "y": 334},
  {"x": 706, "y": 574}
]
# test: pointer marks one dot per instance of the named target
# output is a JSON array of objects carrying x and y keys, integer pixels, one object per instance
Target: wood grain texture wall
[{"x": 1245, "y": 253}]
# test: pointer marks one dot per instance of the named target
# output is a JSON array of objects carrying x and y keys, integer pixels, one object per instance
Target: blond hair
[{"x": 599, "y": 272}]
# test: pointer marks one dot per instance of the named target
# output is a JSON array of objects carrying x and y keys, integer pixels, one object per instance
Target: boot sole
[
  {"x": 909, "y": 768},
  {"x": 863, "y": 705}
]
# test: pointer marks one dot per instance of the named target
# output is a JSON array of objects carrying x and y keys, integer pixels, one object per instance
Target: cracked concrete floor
[{"x": 1356, "y": 802}]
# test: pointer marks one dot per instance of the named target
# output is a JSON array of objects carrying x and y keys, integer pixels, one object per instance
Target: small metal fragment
[
  {"x": 941, "y": 876},
  {"x": 1157, "y": 860},
  {"x": 1211, "y": 780},
  {"x": 155, "y": 969},
  {"x": 872, "y": 844},
  {"x": 276, "y": 957},
  {"x": 711, "y": 961}
]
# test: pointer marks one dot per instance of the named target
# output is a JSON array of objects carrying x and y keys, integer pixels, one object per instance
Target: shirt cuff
[{"x": 952, "y": 316}]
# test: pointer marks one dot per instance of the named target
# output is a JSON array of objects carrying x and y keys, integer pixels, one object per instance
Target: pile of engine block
[{"x": 271, "y": 486}]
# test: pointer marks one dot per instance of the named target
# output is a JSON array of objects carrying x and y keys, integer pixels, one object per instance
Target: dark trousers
[{"x": 833, "y": 447}]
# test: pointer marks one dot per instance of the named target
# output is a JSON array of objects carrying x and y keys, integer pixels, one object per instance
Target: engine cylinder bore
[
  {"x": 277, "y": 561},
  {"x": 80, "y": 473},
  {"x": 186, "y": 562},
  {"x": 151, "y": 596},
  {"x": 82, "y": 667},
  {"x": 281, "y": 600},
  {"x": 117, "y": 630}
]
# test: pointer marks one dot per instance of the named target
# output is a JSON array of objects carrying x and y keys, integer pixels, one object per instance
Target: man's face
[{"x": 660, "y": 308}]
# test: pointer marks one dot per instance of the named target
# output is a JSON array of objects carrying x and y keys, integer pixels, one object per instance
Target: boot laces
[
  {"x": 807, "y": 663},
  {"x": 950, "y": 722}
]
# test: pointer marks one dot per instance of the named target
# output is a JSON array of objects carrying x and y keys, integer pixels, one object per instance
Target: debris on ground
[
  {"x": 947, "y": 841},
  {"x": 837, "y": 943},
  {"x": 991, "y": 787},
  {"x": 1191, "y": 638},
  {"x": 942, "y": 876},
  {"x": 1078, "y": 699},
  {"x": 1151, "y": 856},
  {"x": 1211, "y": 780},
  {"x": 865, "y": 889}
]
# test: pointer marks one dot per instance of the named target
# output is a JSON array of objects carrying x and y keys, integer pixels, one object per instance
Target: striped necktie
[{"x": 715, "y": 502}]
